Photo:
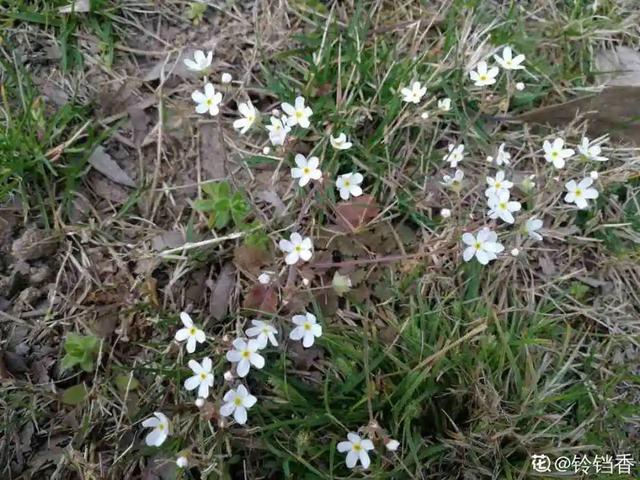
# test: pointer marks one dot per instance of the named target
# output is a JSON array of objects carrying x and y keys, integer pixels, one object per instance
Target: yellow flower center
[
  {"x": 161, "y": 427},
  {"x": 297, "y": 248},
  {"x": 306, "y": 170},
  {"x": 554, "y": 154},
  {"x": 357, "y": 447},
  {"x": 498, "y": 185},
  {"x": 209, "y": 102},
  {"x": 246, "y": 354},
  {"x": 237, "y": 401},
  {"x": 307, "y": 326},
  {"x": 578, "y": 193},
  {"x": 265, "y": 330},
  {"x": 299, "y": 114},
  {"x": 478, "y": 246},
  {"x": 192, "y": 331},
  {"x": 483, "y": 78},
  {"x": 347, "y": 183},
  {"x": 203, "y": 376},
  {"x": 508, "y": 63},
  {"x": 502, "y": 205}
]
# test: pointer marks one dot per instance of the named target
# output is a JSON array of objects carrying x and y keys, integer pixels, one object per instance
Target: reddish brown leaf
[
  {"x": 250, "y": 259},
  {"x": 262, "y": 298},
  {"x": 355, "y": 213}
]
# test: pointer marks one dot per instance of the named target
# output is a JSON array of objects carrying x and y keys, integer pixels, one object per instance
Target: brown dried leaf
[
  {"x": 353, "y": 214},
  {"x": 250, "y": 259},
  {"x": 614, "y": 111},
  {"x": 107, "y": 189},
  {"x": 212, "y": 153},
  {"x": 221, "y": 295},
  {"x": 262, "y": 298},
  {"x": 618, "y": 66},
  {"x": 102, "y": 162}
]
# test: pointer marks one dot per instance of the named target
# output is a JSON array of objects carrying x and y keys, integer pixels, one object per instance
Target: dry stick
[
  {"x": 204, "y": 243},
  {"x": 432, "y": 358}
]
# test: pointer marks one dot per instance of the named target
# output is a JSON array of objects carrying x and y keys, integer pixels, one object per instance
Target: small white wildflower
[
  {"x": 455, "y": 182},
  {"x": 455, "y": 155},
  {"x": 497, "y": 185},
  {"x": 207, "y": 101},
  {"x": 306, "y": 169},
  {"x": 264, "y": 278},
  {"x": 508, "y": 61},
  {"x": 556, "y": 153},
  {"x": 226, "y": 77},
  {"x": 190, "y": 333},
  {"x": 236, "y": 402},
  {"x": 413, "y": 94},
  {"x": 264, "y": 333},
  {"x": 200, "y": 61},
  {"x": 528, "y": 184},
  {"x": 182, "y": 462},
  {"x": 266, "y": 150},
  {"x": 444, "y": 104},
  {"x": 296, "y": 249},
  {"x": 484, "y": 246},
  {"x": 591, "y": 152},
  {"x": 392, "y": 445},
  {"x": 579, "y": 193},
  {"x": 445, "y": 213},
  {"x": 519, "y": 86},
  {"x": 424, "y": 115},
  {"x": 245, "y": 354},
  {"x": 349, "y": 184},
  {"x": 298, "y": 114},
  {"x": 340, "y": 142},
  {"x": 531, "y": 227},
  {"x": 248, "y": 112},
  {"x": 202, "y": 378},
  {"x": 199, "y": 402},
  {"x": 228, "y": 376},
  {"x": 307, "y": 329},
  {"x": 515, "y": 252},
  {"x": 356, "y": 449},
  {"x": 278, "y": 130},
  {"x": 160, "y": 424},
  {"x": 483, "y": 75},
  {"x": 593, "y": 174},
  {"x": 503, "y": 157},
  {"x": 501, "y": 207}
]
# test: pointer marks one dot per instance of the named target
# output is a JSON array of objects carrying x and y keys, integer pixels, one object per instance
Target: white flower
[
  {"x": 515, "y": 252},
  {"x": 483, "y": 75},
  {"x": 307, "y": 329},
  {"x": 392, "y": 445},
  {"x": 503, "y": 157},
  {"x": 520, "y": 86},
  {"x": 528, "y": 184},
  {"x": 501, "y": 207},
  {"x": 455, "y": 155},
  {"x": 264, "y": 278},
  {"x": 444, "y": 104},
  {"x": 182, "y": 462},
  {"x": 296, "y": 249},
  {"x": 508, "y": 61},
  {"x": 424, "y": 115},
  {"x": 593, "y": 174},
  {"x": 497, "y": 185},
  {"x": 266, "y": 150},
  {"x": 160, "y": 424},
  {"x": 306, "y": 170},
  {"x": 591, "y": 152},
  {"x": 298, "y": 115},
  {"x": 202, "y": 378},
  {"x": 413, "y": 94},
  {"x": 349, "y": 184},
  {"x": 580, "y": 193},
  {"x": 190, "y": 333},
  {"x": 454, "y": 182},
  {"x": 209, "y": 101},
  {"x": 199, "y": 402},
  {"x": 340, "y": 142},
  {"x": 228, "y": 376},
  {"x": 245, "y": 354},
  {"x": 556, "y": 153},
  {"x": 356, "y": 449},
  {"x": 531, "y": 227},
  {"x": 264, "y": 333},
  {"x": 226, "y": 78},
  {"x": 445, "y": 213},
  {"x": 236, "y": 402},
  {"x": 483, "y": 246},
  {"x": 248, "y": 112},
  {"x": 200, "y": 61},
  {"x": 278, "y": 130}
]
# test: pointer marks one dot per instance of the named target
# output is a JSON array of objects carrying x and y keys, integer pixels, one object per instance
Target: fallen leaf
[
  {"x": 212, "y": 153},
  {"x": 353, "y": 214},
  {"x": 273, "y": 199},
  {"x": 102, "y": 162},
  {"x": 221, "y": 295},
  {"x": 173, "y": 66},
  {"x": 614, "y": 111},
  {"x": 166, "y": 240},
  {"x": 139, "y": 122},
  {"x": 618, "y": 66},
  {"x": 261, "y": 298},
  {"x": 76, "y": 7},
  {"x": 75, "y": 395},
  {"x": 105, "y": 188},
  {"x": 250, "y": 259}
]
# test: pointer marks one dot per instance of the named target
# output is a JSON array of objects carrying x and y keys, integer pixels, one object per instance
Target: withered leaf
[
  {"x": 353, "y": 214},
  {"x": 222, "y": 291},
  {"x": 102, "y": 162},
  {"x": 614, "y": 111},
  {"x": 212, "y": 153},
  {"x": 618, "y": 66},
  {"x": 250, "y": 259},
  {"x": 262, "y": 298}
]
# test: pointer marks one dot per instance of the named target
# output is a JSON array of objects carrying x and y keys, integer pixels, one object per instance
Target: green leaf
[
  {"x": 126, "y": 382},
  {"x": 203, "y": 205},
  {"x": 75, "y": 395}
]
